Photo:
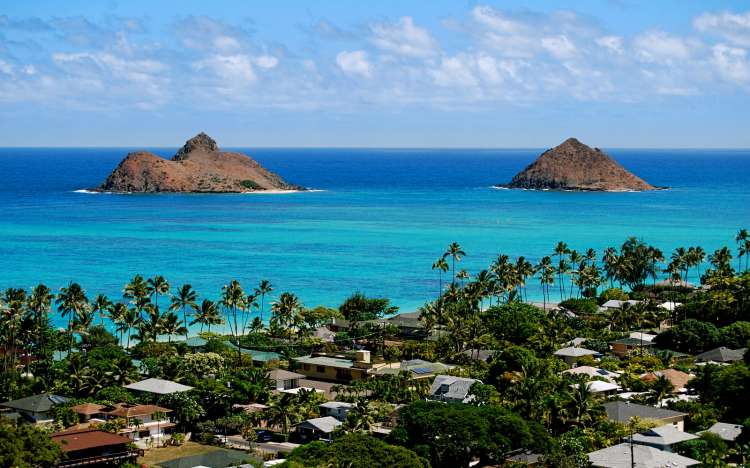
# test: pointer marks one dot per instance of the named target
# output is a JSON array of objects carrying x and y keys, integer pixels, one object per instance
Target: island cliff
[
  {"x": 575, "y": 166},
  {"x": 199, "y": 166}
]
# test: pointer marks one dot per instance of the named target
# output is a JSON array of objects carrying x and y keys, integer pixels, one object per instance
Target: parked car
[{"x": 264, "y": 435}]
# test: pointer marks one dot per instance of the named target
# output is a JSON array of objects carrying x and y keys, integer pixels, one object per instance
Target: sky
[{"x": 437, "y": 73}]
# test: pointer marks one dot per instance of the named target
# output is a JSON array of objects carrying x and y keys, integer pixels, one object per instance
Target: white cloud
[
  {"x": 266, "y": 61},
  {"x": 559, "y": 46},
  {"x": 497, "y": 20},
  {"x": 354, "y": 63},
  {"x": 233, "y": 70},
  {"x": 659, "y": 46},
  {"x": 611, "y": 43},
  {"x": 734, "y": 27},
  {"x": 731, "y": 63},
  {"x": 403, "y": 37},
  {"x": 456, "y": 71}
]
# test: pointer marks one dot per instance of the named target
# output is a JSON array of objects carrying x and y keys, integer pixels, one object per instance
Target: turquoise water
[{"x": 381, "y": 219}]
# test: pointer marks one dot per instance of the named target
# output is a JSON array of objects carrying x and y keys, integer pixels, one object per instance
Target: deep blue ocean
[{"x": 381, "y": 219}]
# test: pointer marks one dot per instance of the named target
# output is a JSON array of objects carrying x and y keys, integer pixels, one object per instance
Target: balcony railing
[{"x": 110, "y": 457}]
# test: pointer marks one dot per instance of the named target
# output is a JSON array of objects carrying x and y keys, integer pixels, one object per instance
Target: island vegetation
[{"x": 524, "y": 398}]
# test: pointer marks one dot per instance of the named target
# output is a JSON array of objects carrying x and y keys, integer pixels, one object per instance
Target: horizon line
[{"x": 486, "y": 148}]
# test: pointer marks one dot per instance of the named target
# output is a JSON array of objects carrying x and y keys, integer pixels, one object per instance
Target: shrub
[
  {"x": 615, "y": 294},
  {"x": 249, "y": 184},
  {"x": 581, "y": 306}
]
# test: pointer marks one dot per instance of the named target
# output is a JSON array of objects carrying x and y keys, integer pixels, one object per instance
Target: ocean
[{"x": 380, "y": 219}]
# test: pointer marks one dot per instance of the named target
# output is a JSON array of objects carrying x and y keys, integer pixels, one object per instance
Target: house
[
  {"x": 727, "y": 432},
  {"x": 418, "y": 368},
  {"x": 670, "y": 306},
  {"x": 624, "y": 411},
  {"x": 642, "y": 336},
  {"x": 594, "y": 372},
  {"x": 572, "y": 354},
  {"x": 451, "y": 389},
  {"x": 722, "y": 355},
  {"x": 663, "y": 437},
  {"x": 263, "y": 358},
  {"x": 284, "y": 380},
  {"x": 678, "y": 379},
  {"x": 158, "y": 386},
  {"x": 614, "y": 304},
  {"x": 317, "y": 428},
  {"x": 672, "y": 283},
  {"x": 88, "y": 411},
  {"x": 577, "y": 342},
  {"x": 143, "y": 423},
  {"x": 335, "y": 368},
  {"x": 602, "y": 388},
  {"x": 483, "y": 355},
  {"x": 93, "y": 447},
  {"x": 35, "y": 408},
  {"x": 642, "y": 456},
  {"x": 336, "y": 409},
  {"x": 625, "y": 346}
]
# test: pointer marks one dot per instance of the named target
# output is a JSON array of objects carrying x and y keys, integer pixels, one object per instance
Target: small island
[
  {"x": 573, "y": 165},
  {"x": 198, "y": 167}
]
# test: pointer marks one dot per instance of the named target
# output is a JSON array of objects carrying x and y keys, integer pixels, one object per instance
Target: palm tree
[
  {"x": 284, "y": 412},
  {"x": 284, "y": 311},
  {"x": 610, "y": 260},
  {"x": 661, "y": 387},
  {"x": 184, "y": 299},
  {"x": 456, "y": 253},
  {"x": 151, "y": 326},
  {"x": 546, "y": 277},
  {"x": 232, "y": 299},
  {"x": 102, "y": 306},
  {"x": 71, "y": 301},
  {"x": 583, "y": 408},
  {"x": 117, "y": 315},
  {"x": 441, "y": 266},
  {"x": 170, "y": 325},
  {"x": 40, "y": 303},
  {"x": 742, "y": 239},
  {"x": 263, "y": 289},
  {"x": 251, "y": 302},
  {"x": 561, "y": 250},
  {"x": 361, "y": 417},
  {"x": 207, "y": 315},
  {"x": 156, "y": 286},
  {"x": 680, "y": 260}
]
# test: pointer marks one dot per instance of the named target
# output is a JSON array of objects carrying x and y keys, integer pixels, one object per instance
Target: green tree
[
  {"x": 354, "y": 451},
  {"x": 26, "y": 446}
]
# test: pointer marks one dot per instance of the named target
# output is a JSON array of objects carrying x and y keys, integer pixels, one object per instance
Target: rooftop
[
  {"x": 130, "y": 411},
  {"x": 88, "y": 408},
  {"x": 449, "y": 387},
  {"x": 618, "y": 456},
  {"x": 281, "y": 374},
  {"x": 663, "y": 435},
  {"x": 728, "y": 432},
  {"x": 593, "y": 372},
  {"x": 158, "y": 386},
  {"x": 328, "y": 361},
  {"x": 622, "y": 411},
  {"x": 722, "y": 354},
  {"x": 81, "y": 439},
  {"x": 574, "y": 351},
  {"x": 35, "y": 403},
  {"x": 326, "y": 424}
]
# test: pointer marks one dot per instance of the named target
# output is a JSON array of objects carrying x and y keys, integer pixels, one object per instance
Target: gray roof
[
  {"x": 326, "y": 361},
  {"x": 622, "y": 411},
  {"x": 615, "y": 304},
  {"x": 451, "y": 388},
  {"x": 336, "y": 404},
  {"x": 728, "y": 432},
  {"x": 479, "y": 354},
  {"x": 158, "y": 386},
  {"x": 281, "y": 374},
  {"x": 326, "y": 424},
  {"x": 35, "y": 403},
  {"x": 722, "y": 354},
  {"x": 574, "y": 351},
  {"x": 618, "y": 456},
  {"x": 663, "y": 435}
]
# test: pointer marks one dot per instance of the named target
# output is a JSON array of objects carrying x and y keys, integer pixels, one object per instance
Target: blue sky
[{"x": 436, "y": 73}]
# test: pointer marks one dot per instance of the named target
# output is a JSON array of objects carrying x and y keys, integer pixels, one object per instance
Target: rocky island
[
  {"x": 573, "y": 165},
  {"x": 199, "y": 167}
]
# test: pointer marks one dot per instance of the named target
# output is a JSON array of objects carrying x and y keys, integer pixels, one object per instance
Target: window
[{"x": 320, "y": 369}]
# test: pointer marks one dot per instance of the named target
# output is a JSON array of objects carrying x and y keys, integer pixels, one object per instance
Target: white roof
[
  {"x": 158, "y": 386},
  {"x": 618, "y": 456},
  {"x": 336, "y": 404},
  {"x": 296, "y": 390},
  {"x": 593, "y": 372},
  {"x": 615, "y": 304},
  {"x": 574, "y": 351},
  {"x": 663, "y": 435},
  {"x": 598, "y": 386},
  {"x": 670, "y": 306},
  {"x": 647, "y": 337},
  {"x": 726, "y": 431},
  {"x": 326, "y": 424}
]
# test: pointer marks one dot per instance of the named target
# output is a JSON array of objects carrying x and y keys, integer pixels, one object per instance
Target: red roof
[{"x": 81, "y": 439}]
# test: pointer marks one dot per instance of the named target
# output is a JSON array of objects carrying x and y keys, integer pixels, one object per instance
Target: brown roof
[
  {"x": 81, "y": 439},
  {"x": 88, "y": 408},
  {"x": 678, "y": 379},
  {"x": 281, "y": 374},
  {"x": 131, "y": 411}
]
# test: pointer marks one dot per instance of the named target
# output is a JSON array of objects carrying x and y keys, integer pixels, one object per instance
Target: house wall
[{"x": 333, "y": 374}]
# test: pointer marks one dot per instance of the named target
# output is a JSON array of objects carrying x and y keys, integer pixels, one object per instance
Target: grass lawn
[{"x": 154, "y": 456}]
